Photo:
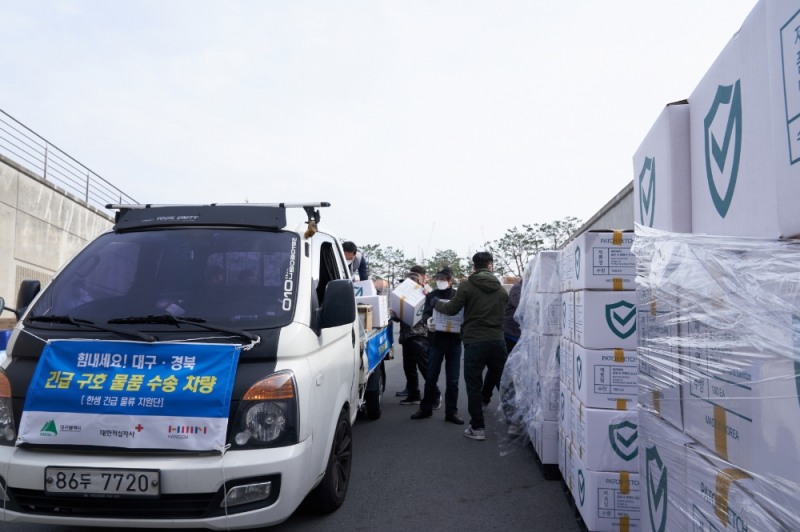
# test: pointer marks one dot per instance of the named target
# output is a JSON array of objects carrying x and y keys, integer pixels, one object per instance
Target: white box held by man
[
  {"x": 661, "y": 173},
  {"x": 444, "y": 323},
  {"x": 606, "y": 378},
  {"x": 407, "y": 300}
]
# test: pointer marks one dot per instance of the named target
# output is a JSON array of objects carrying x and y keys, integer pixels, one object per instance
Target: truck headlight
[
  {"x": 8, "y": 431},
  {"x": 267, "y": 414}
]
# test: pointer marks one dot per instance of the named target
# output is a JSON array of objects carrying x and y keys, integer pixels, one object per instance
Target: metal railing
[{"x": 42, "y": 158}]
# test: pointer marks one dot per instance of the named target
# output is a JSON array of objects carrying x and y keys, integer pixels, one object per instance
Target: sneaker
[
  {"x": 421, "y": 414},
  {"x": 402, "y": 393},
  {"x": 454, "y": 418},
  {"x": 438, "y": 404},
  {"x": 411, "y": 400},
  {"x": 475, "y": 434}
]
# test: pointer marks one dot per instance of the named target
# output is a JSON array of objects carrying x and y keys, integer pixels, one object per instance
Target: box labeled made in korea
[
  {"x": 380, "y": 309},
  {"x": 662, "y": 470},
  {"x": 599, "y": 260},
  {"x": 661, "y": 176},
  {"x": 608, "y": 501},
  {"x": 445, "y": 323},
  {"x": 745, "y": 131},
  {"x": 407, "y": 300},
  {"x": 606, "y": 378},
  {"x": 605, "y": 319},
  {"x": 608, "y": 440},
  {"x": 364, "y": 288}
]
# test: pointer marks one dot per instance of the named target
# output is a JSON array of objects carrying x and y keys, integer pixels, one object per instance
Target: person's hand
[
  {"x": 431, "y": 325},
  {"x": 434, "y": 300}
]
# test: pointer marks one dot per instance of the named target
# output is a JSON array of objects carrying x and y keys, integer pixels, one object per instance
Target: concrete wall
[{"x": 41, "y": 227}]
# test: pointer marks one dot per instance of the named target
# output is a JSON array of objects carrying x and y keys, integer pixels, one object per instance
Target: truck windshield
[{"x": 230, "y": 277}]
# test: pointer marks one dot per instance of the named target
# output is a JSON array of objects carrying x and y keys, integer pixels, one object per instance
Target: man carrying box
[
  {"x": 442, "y": 345},
  {"x": 484, "y": 300}
]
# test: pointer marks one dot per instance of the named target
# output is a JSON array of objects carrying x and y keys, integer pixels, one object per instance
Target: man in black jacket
[
  {"x": 484, "y": 300},
  {"x": 442, "y": 345}
]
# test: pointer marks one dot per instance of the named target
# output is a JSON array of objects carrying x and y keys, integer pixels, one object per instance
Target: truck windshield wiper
[
  {"x": 90, "y": 324},
  {"x": 174, "y": 320}
]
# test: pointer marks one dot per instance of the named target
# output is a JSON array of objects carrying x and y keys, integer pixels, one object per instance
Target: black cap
[{"x": 445, "y": 272}]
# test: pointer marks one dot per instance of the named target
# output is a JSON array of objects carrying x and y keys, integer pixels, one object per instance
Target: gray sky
[{"x": 429, "y": 125}]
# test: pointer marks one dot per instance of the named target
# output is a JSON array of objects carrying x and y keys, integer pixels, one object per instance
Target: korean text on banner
[{"x": 130, "y": 394}]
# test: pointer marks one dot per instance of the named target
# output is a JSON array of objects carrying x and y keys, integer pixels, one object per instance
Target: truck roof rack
[{"x": 260, "y": 215}]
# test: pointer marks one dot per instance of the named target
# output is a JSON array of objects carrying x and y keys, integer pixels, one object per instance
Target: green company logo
[
  {"x": 656, "y": 475},
  {"x": 577, "y": 262},
  {"x": 579, "y": 371},
  {"x": 647, "y": 191},
  {"x": 624, "y": 439},
  {"x": 359, "y": 291},
  {"x": 623, "y": 323},
  {"x": 581, "y": 486},
  {"x": 49, "y": 429},
  {"x": 728, "y": 98},
  {"x": 563, "y": 407}
]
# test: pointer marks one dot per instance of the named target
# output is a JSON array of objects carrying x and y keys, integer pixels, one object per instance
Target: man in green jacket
[{"x": 483, "y": 299}]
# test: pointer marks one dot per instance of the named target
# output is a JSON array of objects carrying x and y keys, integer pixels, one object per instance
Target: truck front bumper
[{"x": 192, "y": 488}]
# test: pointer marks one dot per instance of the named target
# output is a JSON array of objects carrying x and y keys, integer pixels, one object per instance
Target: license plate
[{"x": 112, "y": 482}]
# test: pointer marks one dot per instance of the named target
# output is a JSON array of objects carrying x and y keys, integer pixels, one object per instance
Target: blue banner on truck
[
  {"x": 130, "y": 394},
  {"x": 377, "y": 347}
]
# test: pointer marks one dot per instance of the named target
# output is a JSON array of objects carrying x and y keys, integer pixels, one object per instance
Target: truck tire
[
  {"x": 373, "y": 398},
  {"x": 329, "y": 495}
]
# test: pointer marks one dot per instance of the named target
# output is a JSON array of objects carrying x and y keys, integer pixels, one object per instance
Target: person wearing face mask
[
  {"x": 355, "y": 261},
  {"x": 442, "y": 346}
]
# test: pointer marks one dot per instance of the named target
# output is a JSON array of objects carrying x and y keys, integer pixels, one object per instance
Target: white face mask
[
  {"x": 349, "y": 262},
  {"x": 442, "y": 285}
]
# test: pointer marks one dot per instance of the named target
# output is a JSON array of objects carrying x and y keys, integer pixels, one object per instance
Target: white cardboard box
[
  {"x": 364, "y": 288},
  {"x": 445, "y": 323},
  {"x": 407, "y": 300},
  {"x": 380, "y": 309},
  {"x": 599, "y": 260},
  {"x": 607, "y": 501},
  {"x": 544, "y": 273},
  {"x": 605, "y": 319},
  {"x": 606, "y": 378},
  {"x": 567, "y": 366},
  {"x": 564, "y": 408},
  {"x": 744, "y": 127},
  {"x": 547, "y": 312},
  {"x": 662, "y": 471},
  {"x": 548, "y": 355},
  {"x": 546, "y": 401},
  {"x": 568, "y": 315},
  {"x": 661, "y": 173},
  {"x": 544, "y": 436},
  {"x": 720, "y": 497},
  {"x": 608, "y": 440}
]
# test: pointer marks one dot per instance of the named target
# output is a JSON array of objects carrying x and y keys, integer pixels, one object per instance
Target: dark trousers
[
  {"x": 490, "y": 355},
  {"x": 444, "y": 347},
  {"x": 415, "y": 356},
  {"x": 491, "y": 380}
]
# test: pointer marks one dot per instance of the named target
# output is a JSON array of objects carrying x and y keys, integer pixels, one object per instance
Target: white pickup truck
[{"x": 194, "y": 367}]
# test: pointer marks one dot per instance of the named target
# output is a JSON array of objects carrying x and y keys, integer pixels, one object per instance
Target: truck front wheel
[{"x": 329, "y": 495}]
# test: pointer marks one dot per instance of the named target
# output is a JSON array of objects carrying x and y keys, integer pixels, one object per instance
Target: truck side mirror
[
  {"x": 27, "y": 291},
  {"x": 339, "y": 307}
]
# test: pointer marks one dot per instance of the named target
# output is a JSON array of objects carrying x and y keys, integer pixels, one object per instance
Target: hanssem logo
[
  {"x": 577, "y": 262},
  {"x": 656, "y": 475},
  {"x": 49, "y": 429},
  {"x": 623, "y": 323},
  {"x": 647, "y": 191},
  {"x": 579, "y": 371},
  {"x": 581, "y": 486},
  {"x": 624, "y": 439},
  {"x": 729, "y": 125}
]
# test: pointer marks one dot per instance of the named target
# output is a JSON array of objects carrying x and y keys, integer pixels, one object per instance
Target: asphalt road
[{"x": 425, "y": 475}]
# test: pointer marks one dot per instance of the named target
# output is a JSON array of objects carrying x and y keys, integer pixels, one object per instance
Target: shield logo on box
[
  {"x": 579, "y": 371},
  {"x": 563, "y": 410},
  {"x": 577, "y": 262},
  {"x": 581, "y": 486},
  {"x": 722, "y": 159},
  {"x": 624, "y": 439},
  {"x": 620, "y": 318},
  {"x": 656, "y": 475},
  {"x": 647, "y": 191}
]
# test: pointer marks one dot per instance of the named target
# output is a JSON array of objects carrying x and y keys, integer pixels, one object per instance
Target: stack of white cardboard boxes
[
  {"x": 599, "y": 429},
  {"x": 543, "y": 321},
  {"x": 720, "y": 315}
]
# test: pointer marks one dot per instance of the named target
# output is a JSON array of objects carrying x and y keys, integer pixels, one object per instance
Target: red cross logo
[{"x": 139, "y": 427}]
